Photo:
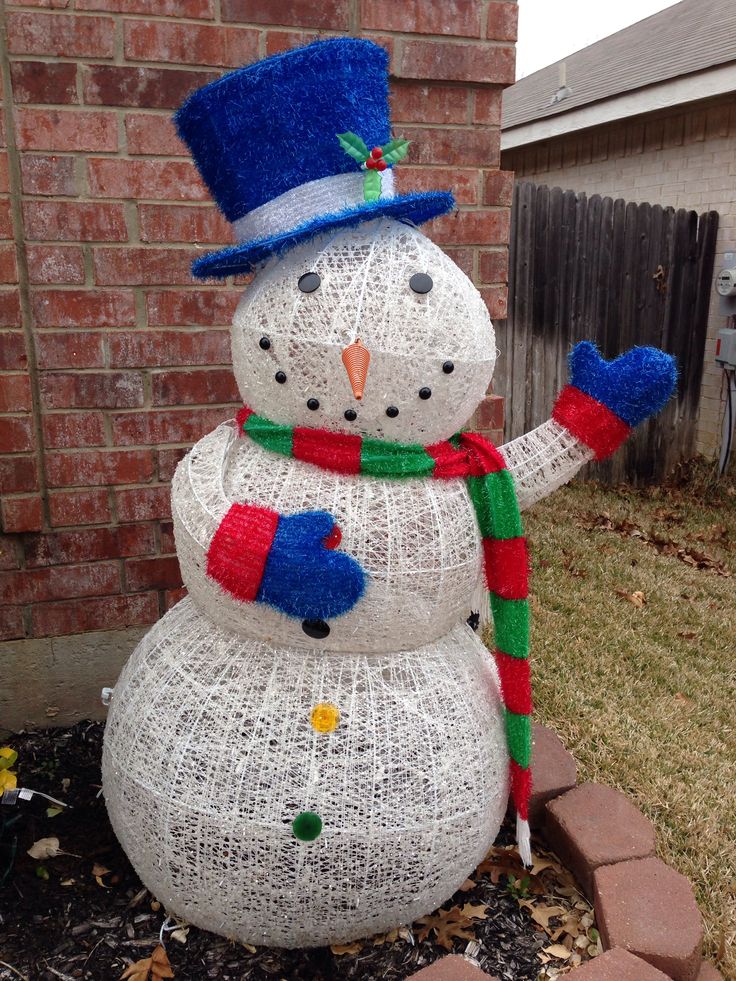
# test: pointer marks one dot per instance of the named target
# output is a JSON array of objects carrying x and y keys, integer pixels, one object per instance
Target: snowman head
[{"x": 424, "y": 324}]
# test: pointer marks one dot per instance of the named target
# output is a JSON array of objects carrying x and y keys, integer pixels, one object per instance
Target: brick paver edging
[{"x": 646, "y": 912}]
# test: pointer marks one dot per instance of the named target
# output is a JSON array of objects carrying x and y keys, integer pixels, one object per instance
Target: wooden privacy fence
[{"x": 616, "y": 273}]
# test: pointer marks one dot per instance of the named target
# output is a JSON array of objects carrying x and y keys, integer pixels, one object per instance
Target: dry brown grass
[{"x": 645, "y": 696}]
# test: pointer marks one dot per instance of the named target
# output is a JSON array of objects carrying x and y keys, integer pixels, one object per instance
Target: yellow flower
[
  {"x": 8, "y": 780},
  {"x": 8, "y": 756}
]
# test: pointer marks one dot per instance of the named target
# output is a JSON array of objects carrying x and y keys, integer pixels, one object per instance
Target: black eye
[
  {"x": 448, "y": 367},
  {"x": 313, "y": 404},
  {"x": 309, "y": 282},
  {"x": 392, "y": 412},
  {"x": 351, "y": 415},
  {"x": 264, "y": 343},
  {"x": 280, "y": 377},
  {"x": 421, "y": 283},
  {"x": 425, "y": 393}
]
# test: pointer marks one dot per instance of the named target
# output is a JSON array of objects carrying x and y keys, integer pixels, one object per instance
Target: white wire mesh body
[
  {"x": 209, "y": 755},
  {"x": 209, "y": 752},
  {"x": 417, "y": 541}
]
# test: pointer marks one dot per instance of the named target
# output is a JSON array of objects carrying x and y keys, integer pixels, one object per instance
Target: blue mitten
[
  {"x": 304, "y": 577},
  {"x": 633, "y": 386},
  {"x": 606, "y": 399}
]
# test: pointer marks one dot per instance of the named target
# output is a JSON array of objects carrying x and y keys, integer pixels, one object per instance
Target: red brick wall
[{"x": 112, "y": 359}]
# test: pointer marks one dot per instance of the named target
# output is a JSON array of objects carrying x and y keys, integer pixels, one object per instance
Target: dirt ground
[{"x": 84, "y": 914}]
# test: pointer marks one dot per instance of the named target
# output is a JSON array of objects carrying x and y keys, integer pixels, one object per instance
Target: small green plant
[{"x": 518, "y": 887}]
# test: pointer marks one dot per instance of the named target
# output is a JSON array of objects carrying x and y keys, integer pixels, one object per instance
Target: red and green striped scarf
[{"x": 491, "y": 487}]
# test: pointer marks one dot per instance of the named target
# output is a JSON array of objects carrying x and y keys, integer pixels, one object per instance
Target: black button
[
  {"x": 421, "y": 283},
  {"x": 392, "y": 412},
  {"x": 309, "y": 282},
  {"x": 264, "y": 343},
  {"x": 448, "y": 367},
  {"x": 313, "y": 404},
  {"x": 425, "y": 393},
  {"x": 351, "y": 415},
  {"x": 315, "y": 628},
  {"x": 280, "y": 377}
]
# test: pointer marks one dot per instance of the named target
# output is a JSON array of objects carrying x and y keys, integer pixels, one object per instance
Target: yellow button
[{"x": 325, "y": 717}]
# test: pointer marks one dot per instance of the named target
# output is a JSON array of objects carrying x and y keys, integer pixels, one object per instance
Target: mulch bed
[{"x": 86, "y": 914}]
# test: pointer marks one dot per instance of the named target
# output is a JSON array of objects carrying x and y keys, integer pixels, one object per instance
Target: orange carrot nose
[{"x": 356, "y": 359}]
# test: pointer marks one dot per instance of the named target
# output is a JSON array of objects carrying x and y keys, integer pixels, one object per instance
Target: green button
[{"x": 307, "y": 826}]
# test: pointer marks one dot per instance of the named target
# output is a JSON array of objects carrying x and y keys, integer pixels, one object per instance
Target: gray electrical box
[
  {"x": 726, "y": 347},
  {"x": 726, "y": 285}
]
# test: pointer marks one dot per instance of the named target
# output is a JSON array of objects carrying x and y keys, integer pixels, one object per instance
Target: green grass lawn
[{"x": 634, "y": 664}]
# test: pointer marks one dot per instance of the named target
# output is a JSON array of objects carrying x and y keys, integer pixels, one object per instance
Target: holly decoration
[{"x": 374, "y": 161}]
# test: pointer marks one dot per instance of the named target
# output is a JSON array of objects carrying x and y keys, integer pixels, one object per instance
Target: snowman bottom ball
[{"x": 295, "y": 798}]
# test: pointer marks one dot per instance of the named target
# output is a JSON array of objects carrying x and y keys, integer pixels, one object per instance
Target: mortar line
[{"x": 26, "y": 316}]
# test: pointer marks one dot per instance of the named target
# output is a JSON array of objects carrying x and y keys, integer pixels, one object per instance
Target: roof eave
[{"x": 719, "y": 80}]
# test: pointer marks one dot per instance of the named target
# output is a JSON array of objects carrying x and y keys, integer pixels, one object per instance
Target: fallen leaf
[
  {"x": 637, "y": 598},
  {"x": 140, "y": 971},
  {"x": 51, "y": 812},
  {"x": 558, "y": 951},
  {"x": 160, "y": 966},
  {"x": 45, "y": 848},
  {"x": 448, "y": 925},
  {"x": 542, "y": 914},
  {"x": 687, "y": 634},
  {"x": 339, "y": 949},
  {"x": 156, "y": 967},
  {"x": 474, "y": 911}
]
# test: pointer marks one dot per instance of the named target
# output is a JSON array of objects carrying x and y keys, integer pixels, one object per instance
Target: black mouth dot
[
  {"x": 313, "y": 404},
  {"x": 264, "y": 343},
  {"x": 280, "y": 377},
  {"x": 448, "y": 367},
  {"x": 425, "y": 393},
  {"x": 392, "y": 412},
  {"x": 351, "y": 415}
]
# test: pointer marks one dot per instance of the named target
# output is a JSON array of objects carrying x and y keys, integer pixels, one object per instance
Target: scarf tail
[{"x": 506, "y": 573}]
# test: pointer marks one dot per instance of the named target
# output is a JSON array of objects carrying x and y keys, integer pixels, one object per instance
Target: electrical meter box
[
  {"x": 726, "y": 285},
  {"x": 726, "y": 348}
]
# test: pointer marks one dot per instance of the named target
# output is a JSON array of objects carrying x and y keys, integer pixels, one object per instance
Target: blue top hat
[{"x": 264, "y": 138}]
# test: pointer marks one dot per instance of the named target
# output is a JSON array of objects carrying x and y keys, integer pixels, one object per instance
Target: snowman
[{"x": 315, "y": 745}]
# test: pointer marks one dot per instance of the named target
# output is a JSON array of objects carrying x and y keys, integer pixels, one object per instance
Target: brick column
[{"x": 114, "y": 360}]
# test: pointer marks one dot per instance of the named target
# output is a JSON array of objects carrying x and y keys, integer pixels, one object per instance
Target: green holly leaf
[
  {"x": 354, "y": 146},
  {"x": 372, "y": 185},
  {"x": 395, "y": 150}
]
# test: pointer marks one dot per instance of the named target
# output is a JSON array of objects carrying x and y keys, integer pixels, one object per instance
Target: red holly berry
[
  {"x": 370, "y": 164},
  {"x": 376, "y": 152},
  {"x": 381, "y": 165}
]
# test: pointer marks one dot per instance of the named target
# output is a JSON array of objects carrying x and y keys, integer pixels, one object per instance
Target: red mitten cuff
[
  {"x": 590, "y": 422},
  {"x": 237, "y": 555}
]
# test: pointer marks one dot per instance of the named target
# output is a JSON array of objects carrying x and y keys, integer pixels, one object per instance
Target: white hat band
[{"x": 298, "y": 205}]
